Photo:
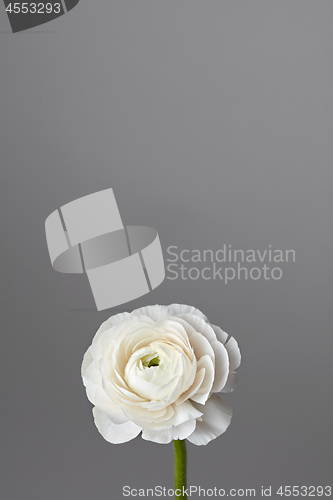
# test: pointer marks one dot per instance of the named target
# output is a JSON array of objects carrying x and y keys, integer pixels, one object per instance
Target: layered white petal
[
  {"x": 156, "y": 313},
  {"x": 165, "y": 436},
  {"x": 234, "y": 354},
  {"x": 96, "y": 394},
  {"x": 231, "y": 383},
  {"x": 185, "y": 411},
  {"x": 199, "y": 325},
  {"x": 203, "y": 392},
  {"x": 172, "y": 415},
  {"x": 87, "y": 360},
  {"x": 215, "y": 420},
  {"x": 200, "y": 344},
  {"x": 166, "y": 380},
  {"x": 101, "y": 400},
  {"x": 199, "y": 378},
  {"x": 221, "y": 335},
  {"x": 100, "y": 339},
  {"x": 113, "y": 433},
  {"x": 176, "y": 309},
  {"x": 221, "y": 366}
]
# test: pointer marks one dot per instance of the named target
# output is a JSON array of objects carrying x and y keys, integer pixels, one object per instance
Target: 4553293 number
[
  {"x": 33, "y": 8},
  {"x": 304, "y": 491}
]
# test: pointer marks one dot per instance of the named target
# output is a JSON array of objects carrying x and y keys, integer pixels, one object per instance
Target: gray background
[{"x": 212, "y": 121}]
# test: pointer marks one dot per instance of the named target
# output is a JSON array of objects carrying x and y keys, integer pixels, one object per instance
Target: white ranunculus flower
[{"x": 157, "y": 370}]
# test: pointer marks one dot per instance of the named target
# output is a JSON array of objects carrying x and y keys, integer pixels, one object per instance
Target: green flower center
[{"x": 148, "y": 361}]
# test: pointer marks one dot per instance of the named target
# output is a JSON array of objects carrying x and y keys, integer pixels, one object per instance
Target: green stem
[{"x": 180, "y": 467}]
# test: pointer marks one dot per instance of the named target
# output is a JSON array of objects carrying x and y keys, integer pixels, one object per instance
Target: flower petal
[
  {"x": 215, "y": 420},
  {"x": 110, "y": 322},
  {"x": 165, "y": 436},
  {"x": 221, "y": 335},
  {"x": 156, "y": 313},
  {"x": 184, "y": 430},
  {"x": 87, "y": 360},
  {"x": 96, "y": 394},
  {"x": 113, "y": 433},
  {"x": 175, "y": 309},
  {"x": 185, "y": 411},
  {"x": 200, "y": 375},
  {"x": 231, "y": 383},
  {"x": 221, "y": 366},
  {"x": 199, "y": 325},
  {"x": 234, "y": 354},
  {"x": 203, "y": 393},
  {"x": 100, "y": 339},
  {"x": 199, "y": 342}
]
